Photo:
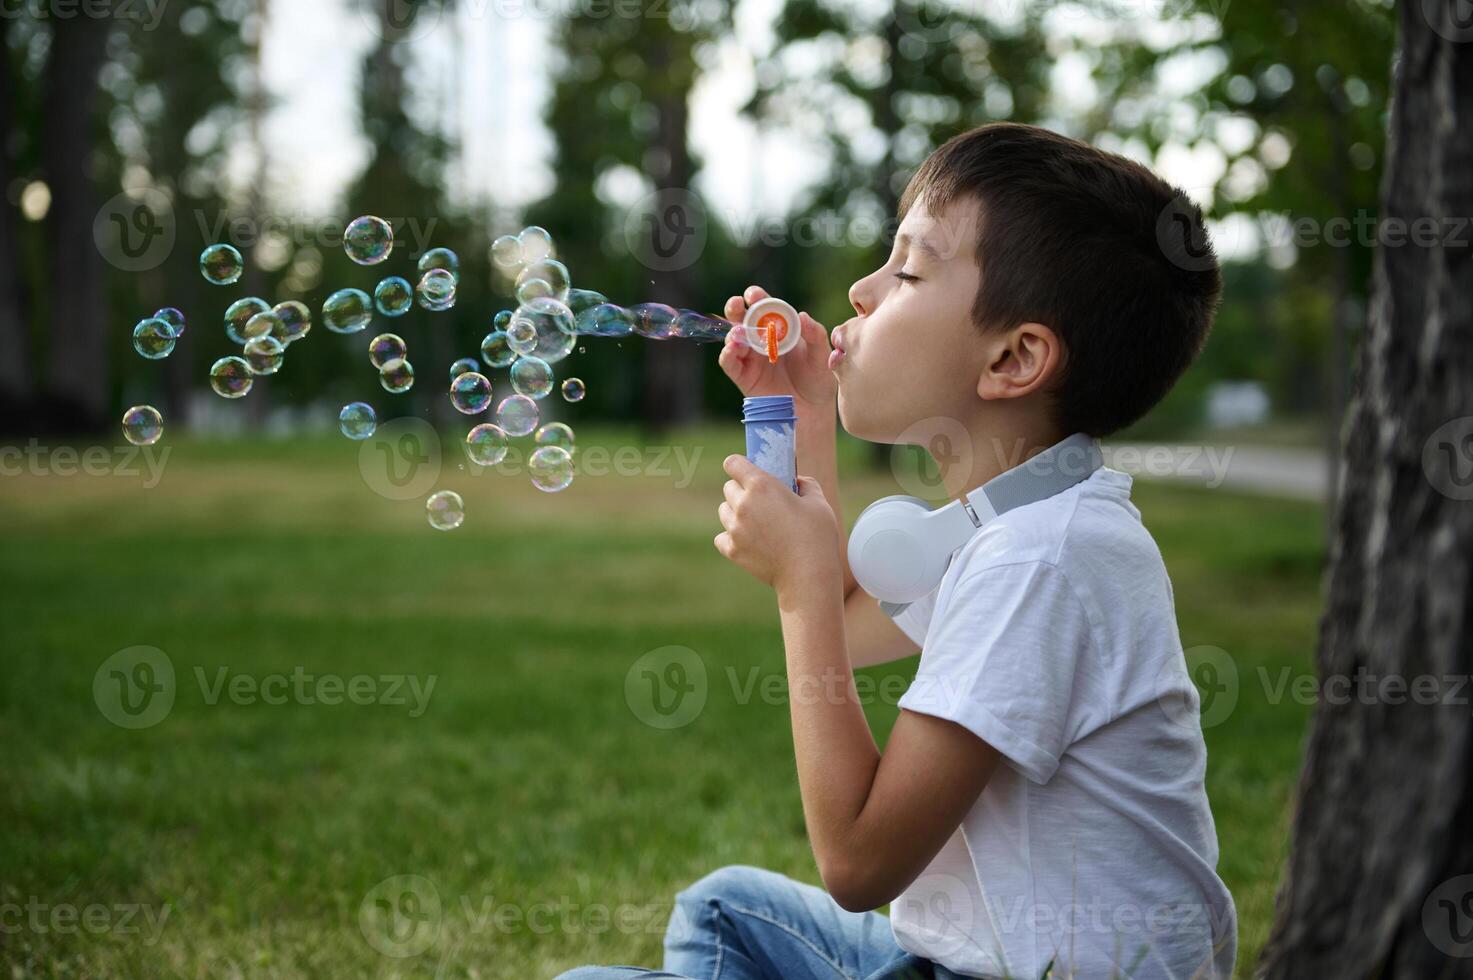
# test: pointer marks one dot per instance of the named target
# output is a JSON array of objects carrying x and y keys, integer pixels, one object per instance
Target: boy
[{"x": 1039, "y": 806}]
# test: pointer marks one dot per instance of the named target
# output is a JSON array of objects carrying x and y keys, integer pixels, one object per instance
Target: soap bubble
[
  {"x": 264, "y": 354},
  {"x": 536, "y": 244},
  {"x": 393, "y": 296},
  {"x": 221, "y": 264},
  {"x": 440, "y": 258},
  {"x": 531, "y": 376},
  {"x": 437, "y": 290},
  {"x": 605, "y": 320},
  {"x": 142, "y": 425},
  {"x": 384, "y": 348},
  {"x": 231, "y": 377},
  {"x": 556, "y": 330},
  {"x": 506, "y": 251},
  {"x": 239, "y": 313},
  {"x": 486, "y": 444},
  {"x": 471, "y": 393},
  {"x": 347, "y": 311},
  {"x": 517, "y": 414},
  {"x": 264, "y": 324},
  {"x": 502, "y": 320},
  {"x": 153, "y": 338},
  {"x": 573, "y": 390},
  {"x": 698, "y": 326},
  {"x": 531, "y": 289},
  {"x": 295, "y": 319},
  {"x": 397, "y": 376},
  {"x": 496, "y": 349},
  {"x": 368, "y": 240},
  {"x": 446, "y": 510},
  {"x": 553, "y": 273},
  {"x": 579, "y": 300},
  {"x": 462, "y": 366},
  {"x": 357, "y": 421},
  {"x": 555, "y": 434},
  {"x": 654, "y": 320},
  {"x": 521, "y": 336},
  {"x": 551, "y": 468},
  {"x": 174, "y": 317}
]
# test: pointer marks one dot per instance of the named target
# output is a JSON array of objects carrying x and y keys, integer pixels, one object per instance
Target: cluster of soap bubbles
[{"x": 528, "y": 341}]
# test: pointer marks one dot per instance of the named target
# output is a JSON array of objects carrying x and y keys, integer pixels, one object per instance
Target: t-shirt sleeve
[
  {"x": 1003, "y": 658},
  {"x": 916, "y": 617}
]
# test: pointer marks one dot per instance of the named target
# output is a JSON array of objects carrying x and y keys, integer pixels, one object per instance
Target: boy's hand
[
  {"x": 803, "y": 372},
  {"x": 783, "y": 538}
]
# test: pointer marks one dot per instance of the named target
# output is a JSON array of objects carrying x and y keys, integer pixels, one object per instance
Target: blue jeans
[{"x": 748, "y": 924}]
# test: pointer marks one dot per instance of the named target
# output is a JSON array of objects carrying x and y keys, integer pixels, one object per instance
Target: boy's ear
[{"x": 1021, "y": 361}]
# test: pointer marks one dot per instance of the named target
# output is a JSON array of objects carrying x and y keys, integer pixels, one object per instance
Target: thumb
[
  {"x": 815, "y": 334},
  {"x": 809, "y": 487}
]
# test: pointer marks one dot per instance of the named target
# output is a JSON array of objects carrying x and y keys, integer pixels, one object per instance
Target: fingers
[
  {"x": 731, "y": 490},
  {"x": 735, "y": 310},
  {"x": 741, "y": 469},
  {"x": 722, "y": 542},
  {"x": 815, "y": 334},
  {"x": 753, "y": 294},
  {"x": 727, "y": 513}
]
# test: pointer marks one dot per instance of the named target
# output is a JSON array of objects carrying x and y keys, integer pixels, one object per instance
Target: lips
[{"x": 836, "y": 356}]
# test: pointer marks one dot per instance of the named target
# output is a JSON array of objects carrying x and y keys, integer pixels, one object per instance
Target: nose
[{"x": 859, "y": 296}]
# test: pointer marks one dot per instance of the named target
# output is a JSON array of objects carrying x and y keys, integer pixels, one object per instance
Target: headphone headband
[{"x": 901, "y": 539}]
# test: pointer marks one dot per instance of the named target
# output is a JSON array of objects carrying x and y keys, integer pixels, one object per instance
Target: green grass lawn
[{"x": 550, "y": 821}]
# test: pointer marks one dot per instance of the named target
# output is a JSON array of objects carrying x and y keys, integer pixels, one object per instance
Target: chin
[{"x": 860, "y": 422}]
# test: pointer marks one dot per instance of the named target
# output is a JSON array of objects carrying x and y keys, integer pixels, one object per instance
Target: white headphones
[{"x": 900, "y": 547}]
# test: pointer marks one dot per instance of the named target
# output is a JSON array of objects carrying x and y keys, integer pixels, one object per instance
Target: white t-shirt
[{"x": 1053, "y": 638}]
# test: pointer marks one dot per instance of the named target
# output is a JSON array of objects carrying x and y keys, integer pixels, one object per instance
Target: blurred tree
[
  {"x": 16, "y": 390},
  {"x": 881, "y": 88},
  {"x": 620, "y": 116},
  {"x": 1378, "y": 881},
  {"x": 78, "y": 338},
  {"x": 1294, "y": 98}
]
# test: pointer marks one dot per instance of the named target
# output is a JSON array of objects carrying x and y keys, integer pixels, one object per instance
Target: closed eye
[{"x": 904, "y": 276}]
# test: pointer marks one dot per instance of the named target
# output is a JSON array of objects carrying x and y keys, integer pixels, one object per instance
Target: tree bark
[
  {"x": 1381, "y": 841},
  {"x": 78, "y": 381}
]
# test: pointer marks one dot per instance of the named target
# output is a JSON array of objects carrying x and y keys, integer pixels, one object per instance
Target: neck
[{"x": 994, "y": 450}]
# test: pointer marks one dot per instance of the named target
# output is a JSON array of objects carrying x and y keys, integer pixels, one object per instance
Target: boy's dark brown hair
[{"x": 1096, "y": 247}]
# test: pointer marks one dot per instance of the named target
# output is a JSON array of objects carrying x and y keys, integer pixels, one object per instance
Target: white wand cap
[{"x": 768, "y": 316}]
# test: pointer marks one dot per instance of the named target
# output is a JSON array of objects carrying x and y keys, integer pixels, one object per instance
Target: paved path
[{"x": 1278, "y": 472}]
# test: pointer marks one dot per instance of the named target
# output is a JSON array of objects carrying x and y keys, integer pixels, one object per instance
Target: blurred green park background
[
  {"x": 135, "y": 133},
  {"x": 531, "y": 788}
]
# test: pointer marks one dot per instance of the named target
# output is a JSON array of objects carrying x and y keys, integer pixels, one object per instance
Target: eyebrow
[{"x": 922, "y": 244}]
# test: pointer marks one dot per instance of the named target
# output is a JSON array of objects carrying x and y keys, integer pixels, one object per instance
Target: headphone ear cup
[{"x": 889, "y": 553}]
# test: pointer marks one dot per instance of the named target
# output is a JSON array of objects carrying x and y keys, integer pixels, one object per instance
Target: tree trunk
[
  {"x": 78, "y": 382},
  {"x": 1378, "y": 882},
  {"x": 16, "y": 390},
  {"x": 674, "y": 369}
]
